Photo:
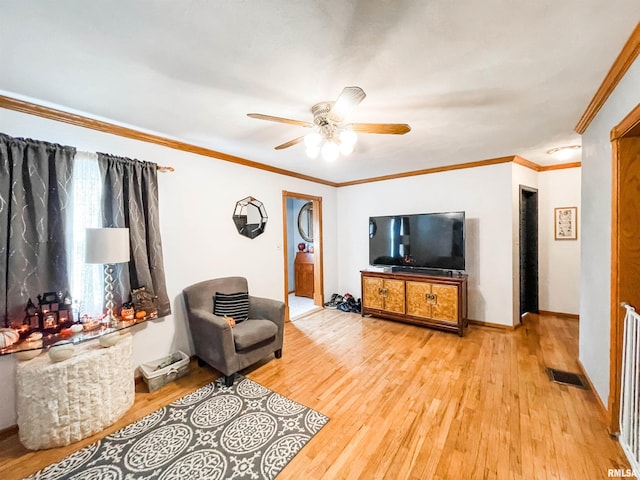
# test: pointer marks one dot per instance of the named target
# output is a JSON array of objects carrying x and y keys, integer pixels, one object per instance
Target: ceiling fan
[{"x": 330, "y": 134}]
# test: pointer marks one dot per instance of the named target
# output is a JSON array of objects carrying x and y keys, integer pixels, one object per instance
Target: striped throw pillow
[{"x": 234, "y": 305}]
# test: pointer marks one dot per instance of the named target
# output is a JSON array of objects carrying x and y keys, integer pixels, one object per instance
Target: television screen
[{"x": 428, "y": 240}]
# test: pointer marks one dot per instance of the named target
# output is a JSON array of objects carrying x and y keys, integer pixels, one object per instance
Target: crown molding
[
  {"x": 630, "y": 125},
  {"x": 113, "y": 129},
  {"x": 526, "y": 163},
  {"x": 560, "y": 166},
  {"x": 544, "y": 168},
  {"x": 102, "y": 126},
  {"x": 480, "y": 163},
  {"x": 625, "y": 59},
  {"x": 426, "y": 171}
]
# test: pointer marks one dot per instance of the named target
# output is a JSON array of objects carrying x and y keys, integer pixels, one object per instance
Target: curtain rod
[{"x": 159, "y": 168}]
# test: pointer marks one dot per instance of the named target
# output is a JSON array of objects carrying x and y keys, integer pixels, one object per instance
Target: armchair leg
[
  {"x": 228, "y": 380},
  {"x": 278, "y": 353}
]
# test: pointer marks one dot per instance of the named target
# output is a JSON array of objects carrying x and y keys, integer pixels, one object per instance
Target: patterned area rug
[{"x": 245, "y": 431}]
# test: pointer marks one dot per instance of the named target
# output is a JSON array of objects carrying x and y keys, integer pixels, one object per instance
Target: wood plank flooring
[{"x": 407, "y": 402}]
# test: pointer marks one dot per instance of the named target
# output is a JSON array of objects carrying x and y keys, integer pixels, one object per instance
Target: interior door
[
  {"x": 528, "y": 250},
  {"x": 318, "y": 268},
  {"x": 625, "y": 246}
]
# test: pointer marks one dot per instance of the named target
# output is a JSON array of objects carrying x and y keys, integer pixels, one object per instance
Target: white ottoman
[{"x": 61, "y": 403}]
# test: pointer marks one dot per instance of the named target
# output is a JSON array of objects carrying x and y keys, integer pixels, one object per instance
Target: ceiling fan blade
[
  {"x": 349, "y": 99},
  {"x": 271, "y": 118},
  {"x": 290, "y": 143},
  {"x": 387, "y": 128}
]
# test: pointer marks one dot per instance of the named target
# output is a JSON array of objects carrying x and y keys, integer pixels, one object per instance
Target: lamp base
[{"x": 110, "y": 318}]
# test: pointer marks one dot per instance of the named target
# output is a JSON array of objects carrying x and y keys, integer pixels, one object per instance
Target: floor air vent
[{"x": 567, "y": 378}]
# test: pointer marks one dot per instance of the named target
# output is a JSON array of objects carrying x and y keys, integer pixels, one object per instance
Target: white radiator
[{"x": 630, "y": 390}]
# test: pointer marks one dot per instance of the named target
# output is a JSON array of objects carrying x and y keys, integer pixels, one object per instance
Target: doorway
[
  {"x": 625, "y": 255},
  {"x": 302, "y": 251},
  {"x": 528, "y": 250}
]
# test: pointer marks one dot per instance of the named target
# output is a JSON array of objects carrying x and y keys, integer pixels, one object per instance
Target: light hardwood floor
[{"x": 413, "y": 403}]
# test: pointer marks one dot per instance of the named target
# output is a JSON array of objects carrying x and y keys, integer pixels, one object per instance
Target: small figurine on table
[{"x": 143, "y": 303}]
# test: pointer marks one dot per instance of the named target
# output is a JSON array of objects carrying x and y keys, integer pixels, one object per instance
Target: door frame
[
  {"x": 628, "y": 127},
  {"x": 534, "y": 191},
  {"x": 318, "y": 273}
]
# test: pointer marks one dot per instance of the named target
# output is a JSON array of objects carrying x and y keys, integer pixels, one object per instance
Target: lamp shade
[{"x": 107, "y": 245}]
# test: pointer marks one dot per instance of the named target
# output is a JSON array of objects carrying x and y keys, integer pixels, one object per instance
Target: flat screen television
[{"x": 420, "y": 241}]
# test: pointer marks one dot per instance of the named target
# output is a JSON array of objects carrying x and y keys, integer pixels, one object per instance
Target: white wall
[
  {"x": 485, "y": 195},
  {"x": 559, "y": 260},
  {"x": 595, "y": 240},
  {"x": 199, "y": 238}
]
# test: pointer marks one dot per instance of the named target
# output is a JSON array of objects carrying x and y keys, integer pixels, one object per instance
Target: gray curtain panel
[
  {"x": 35, "y": 188},
  {"x": 130, "y": 199}
]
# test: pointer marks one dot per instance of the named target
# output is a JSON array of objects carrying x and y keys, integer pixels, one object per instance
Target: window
[
  {"x": 45, "y": 215},
  {"x": 87, "y": 287}
]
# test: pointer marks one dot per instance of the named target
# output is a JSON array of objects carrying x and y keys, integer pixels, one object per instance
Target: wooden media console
[{"x": 438, "y": 301}]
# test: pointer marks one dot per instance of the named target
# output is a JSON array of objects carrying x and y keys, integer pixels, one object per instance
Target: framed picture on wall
[{"x": 565, "y": 223}]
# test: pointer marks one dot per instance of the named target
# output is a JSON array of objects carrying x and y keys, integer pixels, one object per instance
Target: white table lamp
[{"x": 107, "y": 246}]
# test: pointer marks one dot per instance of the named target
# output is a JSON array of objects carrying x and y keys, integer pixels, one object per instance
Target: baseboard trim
[
  {"x": 603, "y": 409},
  {"x": 571, "y": 316},
  {"x": 9, "y": 431},
  {"x": 497, "y": 326}
]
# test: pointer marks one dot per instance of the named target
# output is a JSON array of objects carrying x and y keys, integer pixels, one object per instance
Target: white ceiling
[{"x": 475, "y": 79}]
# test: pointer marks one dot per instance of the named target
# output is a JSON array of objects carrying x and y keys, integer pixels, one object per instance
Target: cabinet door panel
[
  {"x": 394, "y": 296},
  {"x": 446, "y": 304},
  {"x": 371, "y": 292},
  {"x": 416, "y": 299},
  {"x": 304, "y": 280}
]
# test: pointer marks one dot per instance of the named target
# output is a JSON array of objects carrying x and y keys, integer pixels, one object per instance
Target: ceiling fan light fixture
[
  {"x": 313, "y": 152},
  {"x": 329, "y": 133},
  {"x": 312, "y": 140},
  {"x": 330, "y": 151},
  {"x": 346, "y": 148},
  {"x": 563, "y": 153},
  {"x": 348, "y": 137}
]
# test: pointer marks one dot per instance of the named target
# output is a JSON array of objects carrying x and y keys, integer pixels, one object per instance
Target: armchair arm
[
  {"x": 268, "y": 309},
  {"x": 212, "y": 338},
  {"x": 199, "y": 315}
]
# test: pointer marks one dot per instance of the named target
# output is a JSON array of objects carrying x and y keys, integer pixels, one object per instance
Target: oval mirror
[
  {"x": 250, "y": 217},
  {"x": 305, "y": 222}
]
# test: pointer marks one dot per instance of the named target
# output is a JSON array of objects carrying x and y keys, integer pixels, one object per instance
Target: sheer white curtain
[{"x": 87, "y": 287}]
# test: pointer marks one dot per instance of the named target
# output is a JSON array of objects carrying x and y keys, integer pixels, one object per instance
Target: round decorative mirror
[
  {"x": 305, "y": 222},
  {"x": 250, "y": 217}
]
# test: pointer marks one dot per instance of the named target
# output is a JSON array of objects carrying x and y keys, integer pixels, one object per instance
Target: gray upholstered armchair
[{"x": 228, "y": 349}]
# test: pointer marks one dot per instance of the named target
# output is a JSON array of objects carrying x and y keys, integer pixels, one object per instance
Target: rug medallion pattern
[{"x": 245, "y": 431}]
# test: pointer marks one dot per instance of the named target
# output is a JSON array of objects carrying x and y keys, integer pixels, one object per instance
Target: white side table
[{"x": 61, "y": 403}]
